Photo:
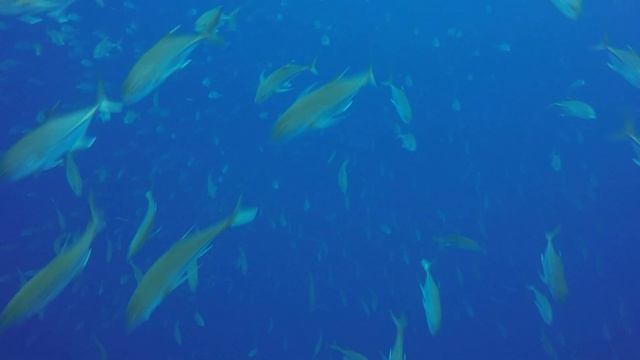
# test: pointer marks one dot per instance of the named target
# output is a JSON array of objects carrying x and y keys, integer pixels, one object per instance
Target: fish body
[
  {"x": 459, "y": 241},
  {"x": 543, "y": 305},
  {"x": 146, "y": 226},
  {"x": 73, "y": 175},
  {"x": 170, "y": 270},
  {"x": 569, "y": 8},
  {"x": 400, "y": 102},
  {"x": 280, "y": 80},
  {"x": 53, "y": 278},
  {"x": 625, "y": 62},
  {"x": 397, "y": 351},
  {"x": 167, "y": 56},
  {"x": 553, "y": 271},
  {"x": 576, "y": 108},
  {"x": 431, "y": 300},
  {"x": 322, "y": 107}
]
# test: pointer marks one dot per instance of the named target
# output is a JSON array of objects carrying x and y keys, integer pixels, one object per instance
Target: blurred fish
[
  {"x": 167, "y": 56},
  {"x": 73, "y": 175},
  {"x": 53, "y": 278},
  {"x": 458, "y": 241},
  {"x": 171, "y": 269},
  {"x": 408, "y": 140},
  {"x": 543, "y": 305},
  {"x": 397, "y": 351},
  {"x": 280, "y": 80},
  {"x": 400, "y": 102},
  {"x": 431, "y": 299},
  {"x": 322, "y": 107},
  {"x": 144, "y": 230},
  {"x": 575, "y": 108},
  {"x": 343, "y": 179},
  {"x": 29, "y": 10},
  {"x": 43, "y": 148},
  {"x": 348, "y": 354},
  {"x": 105, "y": 47},
  {"x": 228, "y": 21},
  {"x": 570, "y": 8},
  {"x": 625, "y": 62},
  {"x": 553, "y": 270}
]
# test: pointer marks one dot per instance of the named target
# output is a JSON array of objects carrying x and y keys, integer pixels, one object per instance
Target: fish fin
[
  {"x": 105, "y": 105},
  {"x": 343, "y": 73},
  {"x": 83, "y": 143},
  {"x": 426, "y": 265},
  {"x": 313, "y": 67},
  {"x": 603, "y": 44},
  {"x": 137, "y": 273},
  {"x": 175, "y": 28},
  {"x": 231, "y": 19},
  {"x": 52, "y": 164},
  {"x": 551, "y": 234},
  {"x": 372, "y": 79},
  {"x": 192, "y": 274},
  {"x": 245, "y": 216},
  {"x": 401, "y": 321},
  {"x": 236, "y": 212}
]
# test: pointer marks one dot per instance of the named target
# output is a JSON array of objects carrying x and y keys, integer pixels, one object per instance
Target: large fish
[
  {"x": 280, "y": 80},
  {"x": 171, "y": 269},
  {"x": 167, "y": 56},
  {"x": 53, "y": 278},
  {"x": 431, "y": 300},
  {"x": 44, "y": 147},
  {"x": 553, "y": 270},
  {"x": 321, "y": 107}
]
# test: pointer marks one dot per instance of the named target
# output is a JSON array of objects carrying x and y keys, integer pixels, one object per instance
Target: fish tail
[
  {"x": 104, "y": 104},
  {"x": 602, "y": 45},
  {"x": 209, "y": 32},
  {"x": 97, "y": 218},
  {"x": 426, "y": 265},
  {"x": 236, "y": 212},
  {"x": 313, "y": 67},
  {"x": 400, "y": 322},
  {"x": 231, "y": 20}
]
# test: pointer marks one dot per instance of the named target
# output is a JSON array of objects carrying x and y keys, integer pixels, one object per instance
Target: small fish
[
  {"x": 343, "y": 179},
  {"x": 459, "y": 241},
  {"x": 400, "y": 102},
  {"x": 73, "y": 175},
  {"x": 145, "y": 228},
  {"x": 553, "y": 270},
  {"x": 170, "y": 270},
  {"x": 47, "y": 283},
  {"x": 105, "y": 47},
  {"x": 348, "y": 354},
  {"x": 431, "y": 300},
  {"x": 625, "y": 62},
  {"x": 570, "y": 8},
  {"x": 397, "y": 351},
  {"x": 408, "y": 140},
  {"x": 280, "y": 80},
  {"x": 543, "y": 305},
  {"x": 199, "y": 319},
  {"x": 43, "y": 148},
  {"x": 167, "y": 56},
  {"x": 575, "y": 108},
  {"x": 322, "y": 107}
]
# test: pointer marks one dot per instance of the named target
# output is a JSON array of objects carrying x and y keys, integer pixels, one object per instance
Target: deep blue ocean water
[{"x": 484, "y": 171}]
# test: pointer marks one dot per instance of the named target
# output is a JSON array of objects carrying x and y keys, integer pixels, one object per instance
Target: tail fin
[
  {"x": 602, "y": 45},
  {"x": 372, "y": 79},
  {"x": 425, "y": 265},
  {"x": 312, "y": 68},
  {"x": 400, "y": 322},
  {"x": 231, "y": 20},
  {"x": 106, "y": 106},
  {"x": 551, "y": 234}
]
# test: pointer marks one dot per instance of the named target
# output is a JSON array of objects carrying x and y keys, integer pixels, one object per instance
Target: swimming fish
[
  {"x": 47, "y": 284},
  {"x": 73, "y": 175},
  {"x": 43, "y": 148},
  {"x": 553, "y": 270},
  {"x": 543, "y": 305},
  {"x": 348, "y": 354},
  {"x": 144, "y": 230},
  {"x": 167, "y": 56},
  {"x": 458, "y": 241},
  {"x": 322, "y": 107},
  {"x": 343, "y": 179},
  {"x": 576, "y": 108},
  {"x": 29, "y": 10},
  {"x": 171, "y": 269},
  {"x": 400, "y": 102},
  {"x": 431, "y": 299},
  {"x": 280, "y": 80},
  {"x": 397, "y": 351},
  {"x": 625, "y": 62},
  {"x": 570, "y": 8}
]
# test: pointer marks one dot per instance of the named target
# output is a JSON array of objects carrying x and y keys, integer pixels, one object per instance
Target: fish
[
  {"x": 460, "y": 242},
  {"x": 569, "y": 8},
  {"x": 168, "y": 55},
  {"x": 73, "y": 175},
  {"x": 343, "y": 179},
  {"x": 576, "y": 108},
  {"x": 397, "y": 351},
  {"x": 400, "y": 102},
  {"x": 145, "y": 227},
  {"x": 322, "y": 107},
  {"x": 44, "y": 147},
  {"x": 49, "y": 282},
  {"x": 431, "y": 299},
  {"x": 280, "y": 80},
  {"x": 348, "y": 354},
  {"x": 626, "y": 62},
  {"x": 105, "y": 47},
  {"x": 543, "y": 305},
  {"x": 29, "y": 10},
  {"x": 553, "y": 270},
  {"x": 227, "y": 21},
  {"x": 408, "y": 140},
  {"x": 171, "y": 269}
]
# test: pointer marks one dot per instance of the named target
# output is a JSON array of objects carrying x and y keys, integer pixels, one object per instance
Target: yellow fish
[
  {"x": 171, "y": 269},
  {"x": 144, "y": 230},
  {"x": 431, "y": 299},
  {"x": 553, "y": 270},
  {"x": 321, "y": 107},
  {"x": 280, "y": 80},
  {"x": 47, "y": 284},
  {"x": 167, "y": 56}
]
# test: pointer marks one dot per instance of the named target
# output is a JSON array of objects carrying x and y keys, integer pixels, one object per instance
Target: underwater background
[{"x": 323, "y": 267}]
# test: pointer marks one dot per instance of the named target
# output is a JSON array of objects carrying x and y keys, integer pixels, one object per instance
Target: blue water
[{"x": 484, "y": 171}]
